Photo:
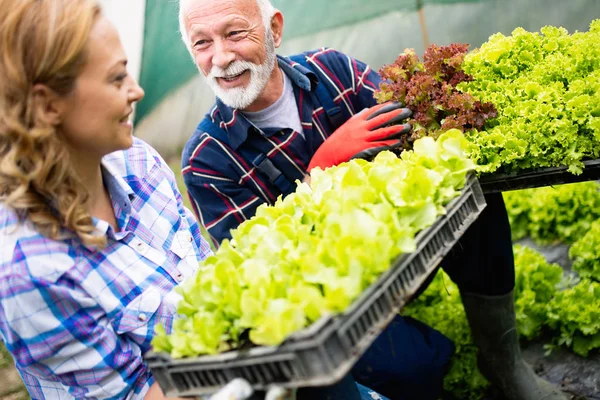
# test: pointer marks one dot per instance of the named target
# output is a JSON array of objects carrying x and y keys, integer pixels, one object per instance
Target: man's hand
[{"x": 364, "y": 135}]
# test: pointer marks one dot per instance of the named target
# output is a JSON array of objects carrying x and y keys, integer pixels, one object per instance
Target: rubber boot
[{"x": 493, "y": 328}]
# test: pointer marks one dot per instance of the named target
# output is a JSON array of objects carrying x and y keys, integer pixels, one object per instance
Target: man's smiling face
[{"x": 231, "y": 46}]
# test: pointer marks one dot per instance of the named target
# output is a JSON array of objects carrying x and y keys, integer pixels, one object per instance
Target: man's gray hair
[{"x": 266, "y": 11}]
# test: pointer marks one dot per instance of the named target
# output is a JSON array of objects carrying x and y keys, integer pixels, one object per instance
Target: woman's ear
[
  {"x": 47, "y": 105},
  {"x": 277, "y": 27}
]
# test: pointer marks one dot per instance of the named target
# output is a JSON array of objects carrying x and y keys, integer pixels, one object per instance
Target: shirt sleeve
[
  {"x": 366, "y": 82},
  {"x": 348, "y": 77},
  {"x": 220, "y": 203},
  {"x": 219, "y": 199},
  {"x": 54, "y": 329}
]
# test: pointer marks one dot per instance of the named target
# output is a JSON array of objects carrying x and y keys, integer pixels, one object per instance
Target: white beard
[{"x": 243, "y": 97}]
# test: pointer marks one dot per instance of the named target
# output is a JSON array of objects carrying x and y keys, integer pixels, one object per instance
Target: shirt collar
[
  {"x": 237, "y": 125},
  {"x": 120, "y": 193}
]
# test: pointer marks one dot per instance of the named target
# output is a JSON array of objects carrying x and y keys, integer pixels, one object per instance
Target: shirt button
[
  {"x": 179, "y": 277},
  {"x": 142, "y": 317},
  {"x": 191, "y": 239}
]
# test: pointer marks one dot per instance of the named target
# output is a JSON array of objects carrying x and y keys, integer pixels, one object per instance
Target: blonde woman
[{"x": 93, "y": 232}]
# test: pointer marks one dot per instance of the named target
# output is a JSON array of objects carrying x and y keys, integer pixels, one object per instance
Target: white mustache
[{"x": 235, "y": 68}]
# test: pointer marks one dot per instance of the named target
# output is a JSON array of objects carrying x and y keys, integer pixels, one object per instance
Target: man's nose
[{"x": 223, "y": 54}]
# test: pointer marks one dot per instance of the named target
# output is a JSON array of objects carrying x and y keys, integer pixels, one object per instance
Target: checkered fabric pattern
[
  {"x": 78, "y": 321},
  {"x": 224, "y": 187}
]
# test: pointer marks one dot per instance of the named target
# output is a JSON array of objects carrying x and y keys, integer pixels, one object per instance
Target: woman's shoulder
[{"x": 24, "y": 252}]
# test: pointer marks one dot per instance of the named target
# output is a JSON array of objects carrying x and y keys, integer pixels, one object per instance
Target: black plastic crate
[
  {"x": 538, "y": 177},
  {"x": 324, "y": 352}
]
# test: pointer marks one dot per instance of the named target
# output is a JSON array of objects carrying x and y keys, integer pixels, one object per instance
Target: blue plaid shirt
[
  {"x": 78, "y": 321},
  {"x": 224, "y": 187}
]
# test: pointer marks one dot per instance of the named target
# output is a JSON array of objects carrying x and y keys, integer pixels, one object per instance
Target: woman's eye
[{"x": 119, "y": 79}]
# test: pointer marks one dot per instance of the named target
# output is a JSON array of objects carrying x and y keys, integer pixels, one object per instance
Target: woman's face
[{"x": 96, "y": 115}]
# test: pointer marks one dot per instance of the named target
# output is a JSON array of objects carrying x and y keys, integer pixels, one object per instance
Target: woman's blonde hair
[{"x": 42, "y": 42}]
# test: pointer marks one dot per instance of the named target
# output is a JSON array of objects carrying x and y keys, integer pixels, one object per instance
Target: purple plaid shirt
[
  {"x": 224, "y": 187},
  {"x": 78, "y": 321}
]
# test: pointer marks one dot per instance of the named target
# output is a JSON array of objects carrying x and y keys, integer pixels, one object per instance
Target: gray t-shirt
[{"x": 281, "y": 114}]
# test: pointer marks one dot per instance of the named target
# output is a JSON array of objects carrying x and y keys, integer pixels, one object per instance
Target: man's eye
[
  {"x": 234, "y": 33},
  {"x": 200, "y": 43},
  {"x": 121, "y": 77}
]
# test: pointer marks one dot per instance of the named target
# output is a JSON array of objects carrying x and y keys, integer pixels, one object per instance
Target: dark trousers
[{"x": 482, "y": 261}]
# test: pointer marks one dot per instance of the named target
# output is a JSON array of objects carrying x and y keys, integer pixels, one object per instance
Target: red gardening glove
[{"x": 364, "y": 135}]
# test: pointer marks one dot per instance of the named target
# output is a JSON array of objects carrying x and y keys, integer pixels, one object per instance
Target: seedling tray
[
  {"x": 538, "y": 177},
  {"x": 324, "y": 352}
]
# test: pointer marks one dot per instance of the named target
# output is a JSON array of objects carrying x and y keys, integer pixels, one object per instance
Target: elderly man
[{"x": 277, "y": 117}]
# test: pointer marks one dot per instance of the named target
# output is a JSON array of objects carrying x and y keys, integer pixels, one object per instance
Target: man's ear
[
  {"x": 277, "y": 27},
  {"x": 47, "y": 105}
]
